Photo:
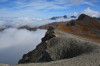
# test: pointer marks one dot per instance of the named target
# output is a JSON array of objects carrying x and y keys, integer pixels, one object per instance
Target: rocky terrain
[
  {"x": 73, "y": 44},
  {"x": 84, "y": 26}
]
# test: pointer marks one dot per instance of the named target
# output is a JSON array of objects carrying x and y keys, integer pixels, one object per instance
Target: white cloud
[
  {"x": 45, "y": 4},
  {"x": 33, "y": 22},
  {"x": 14, "y": 43},
  {"x": 33, "y": 8},
  {"x": 13, "y": 36},
  {"x": 76, "y": 2},
  {"x": 3, "y": 0},
  {"x": 30, "y": 22},
  {"x": 42, "y": 4},
  {"x": 91, "y": 13},
  {"x": 75, "y": 14},
  {"x": 36, "y": 5},
  {"x": 79, "y": 2},
  {"x": 10, "y": 12}
]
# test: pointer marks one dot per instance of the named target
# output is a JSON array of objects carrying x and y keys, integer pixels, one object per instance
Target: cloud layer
[
  {"x": 91, "y": 13},
  {"x": 36, "y": 22},
  {"x": 30, "y": 22},
  {"x": 14, "y": 43}
]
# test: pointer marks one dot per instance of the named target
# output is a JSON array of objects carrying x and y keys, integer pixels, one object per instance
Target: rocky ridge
[
  {"x": 85, "y": 26},
  {"x": 58, "y": 44},
  {"x": 62, "y": 49},
  {"x": 63, "y": 46}
]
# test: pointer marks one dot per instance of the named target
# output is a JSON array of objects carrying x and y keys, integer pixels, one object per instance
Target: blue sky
[{"x": 45, "y": 8}]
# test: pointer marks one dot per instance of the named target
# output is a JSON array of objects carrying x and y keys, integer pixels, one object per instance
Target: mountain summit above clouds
[{"x": 76, "y": 43}]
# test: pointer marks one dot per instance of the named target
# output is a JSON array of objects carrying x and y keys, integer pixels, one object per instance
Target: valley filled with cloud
[{"x": 15, "y": 42}]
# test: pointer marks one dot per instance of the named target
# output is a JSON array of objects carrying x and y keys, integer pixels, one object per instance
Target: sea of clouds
[
  {"x": 16, "y": 42},
  {"x": 30, "y": 22}
]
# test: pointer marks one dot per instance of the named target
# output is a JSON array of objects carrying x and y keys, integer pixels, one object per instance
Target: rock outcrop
[
  {"x": 59, "y": 44},
  {"x": 39, "y": 54},
  {"x": 69, "y": 49}
]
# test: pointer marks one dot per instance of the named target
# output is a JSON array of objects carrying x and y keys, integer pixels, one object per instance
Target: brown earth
[{"x": 87, "y": 27}]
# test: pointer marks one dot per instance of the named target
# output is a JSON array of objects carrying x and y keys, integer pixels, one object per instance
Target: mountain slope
[
  {"x": 73, "y": 44},
  {"x": 84, "y": 26},
  {"x": 68, "y": 42},
  {"x": 67, "y": 48}
]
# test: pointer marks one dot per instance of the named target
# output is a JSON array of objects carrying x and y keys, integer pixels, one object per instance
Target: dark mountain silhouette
[{"x": 64, "y": 17}]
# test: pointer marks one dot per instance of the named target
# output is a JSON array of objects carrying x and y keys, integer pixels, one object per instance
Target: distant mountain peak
[
  {"x": 63, "y": 17},
  {"x": 83, "y": 16}
]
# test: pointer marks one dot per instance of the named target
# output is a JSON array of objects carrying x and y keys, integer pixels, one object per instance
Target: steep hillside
[
  {"x": 84, "y": 26},
  {"x": 67, "y": 41},
  {"x": 67, "y": 48}
]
